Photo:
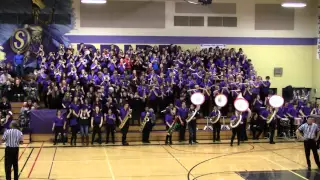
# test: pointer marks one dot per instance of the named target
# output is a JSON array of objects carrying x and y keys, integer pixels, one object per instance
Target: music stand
[
  {"x": 224, "y": 127},
  {"x": 207, "y": 126}
]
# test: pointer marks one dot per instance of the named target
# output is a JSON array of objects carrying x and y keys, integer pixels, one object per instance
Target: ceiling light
[
  {"x": 94, "y": 1},
  {"x": 293, "y": 5}
]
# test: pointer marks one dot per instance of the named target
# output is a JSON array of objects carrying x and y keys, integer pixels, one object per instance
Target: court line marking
[
  {"x": 302, "y": 177},
  {"x": 26, "y": 161},
  {"x": 107, "y": 159},
  {"x": 23, "y": 151},
  {"x": 35, "y": 161},
  {"x": 176, "y": 159},
  {"x": 54, "y": 155}
]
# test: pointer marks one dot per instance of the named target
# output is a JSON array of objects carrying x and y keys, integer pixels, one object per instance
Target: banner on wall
[{"x": 206, "y": 46}]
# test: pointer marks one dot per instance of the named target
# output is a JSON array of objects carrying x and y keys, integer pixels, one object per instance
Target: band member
[
  {"x": 59, "y": 125},
  {"x": 292, "y": 113},
  {"x": 243, "y": 126},
  {"x": 123, "y": 113},
  {"x": 171, "y": 122},
  {"x": 310, "y": 136},
  {"x": 217, "y": 125},
  {"x": 192, "y": 124},
  {"x": 272, "y": 127},
  {"x": 110, "y": 125},
  {"x": 183, "y": 114},
  {"x": 84, "y": 122},
  {"x": 96, "y": 124},
  {"x": 147, "y": 116},
  {"x": 236, "y": 130},
  {"x": 261, "y": 122},
  {"x": 75, "y": 109}
]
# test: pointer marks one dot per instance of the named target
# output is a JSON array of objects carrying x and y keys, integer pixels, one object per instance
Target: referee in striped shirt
[
  {"x": 12, "y": 137},
  {"x": 310, "y": 136}
]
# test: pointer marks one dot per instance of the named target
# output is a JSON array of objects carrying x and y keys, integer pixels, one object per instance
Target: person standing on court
[
  {"x": 310, "y": 137},
  {"x": 12, "y": 138},
  {"x": 59, "y": 125}
]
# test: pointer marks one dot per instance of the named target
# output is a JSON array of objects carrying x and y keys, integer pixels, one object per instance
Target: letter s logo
[{"x": 20, "y": 40}]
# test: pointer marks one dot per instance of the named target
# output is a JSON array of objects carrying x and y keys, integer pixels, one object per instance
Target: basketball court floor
[{"x": 156, "y": 161}]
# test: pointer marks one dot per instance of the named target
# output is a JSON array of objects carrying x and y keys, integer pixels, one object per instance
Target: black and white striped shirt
[
  {"x": 12, "y": 137},
  {"x": 309, "y": 131}
]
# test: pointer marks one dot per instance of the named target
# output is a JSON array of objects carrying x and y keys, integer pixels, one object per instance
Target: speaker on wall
[{"x": 278, "y": 71}]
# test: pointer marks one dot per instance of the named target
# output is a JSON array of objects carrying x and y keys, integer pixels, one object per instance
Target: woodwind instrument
[
  {"x": 145, "y": 120},
  {"x": 126, "y": 118},
  {"x": 174, "y": 126}
]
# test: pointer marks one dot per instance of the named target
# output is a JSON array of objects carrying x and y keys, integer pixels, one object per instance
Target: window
[
  {"x": 188, "y": 21},
  {"x": 215, "y": 21}
]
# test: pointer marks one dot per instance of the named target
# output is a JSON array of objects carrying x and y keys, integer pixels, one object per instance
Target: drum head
[
  {"x": 276, "y": 101},
  {"x": 197, "y": 98},
  {"x": 241, "y": 104},
  {"x": 221, "y": 100}
]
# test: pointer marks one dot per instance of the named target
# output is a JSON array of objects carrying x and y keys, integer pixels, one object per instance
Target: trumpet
[
  {"x": 145, "y": 120},
  {"x": 126, "y": 118}
]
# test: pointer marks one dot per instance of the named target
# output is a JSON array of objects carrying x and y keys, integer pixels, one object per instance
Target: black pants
[
  {"x": 74, "y": 131},
  {"x": 110, "y": 129},
  {"x": 243, "y": 131},
  {"x": 96, "y": 129},
  {"x": 310, "y": 144},
  {"x": 272, "y": 128},
  {"x": 124, "y": 132},
  {"x": 146, "y": 132},
  {"x": 279, "y": 127},
  {"x": 182, "y": 131},
  {"x": 235, "y": 132},
  {"x": 192, "y": 131},
  {"x": 11, "y": 159},
  {"x": 291, "y": 125},
  {"x": 168, "y": 137},
  {"x": 57, "y": 130},
  {"x": 216, "y": 131},
  {"x": 260, "y": 128}
]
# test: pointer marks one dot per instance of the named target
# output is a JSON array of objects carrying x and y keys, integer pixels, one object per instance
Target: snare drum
[
  {"x": 284, "y": 122},
  {"x": 297, "y": 121}
]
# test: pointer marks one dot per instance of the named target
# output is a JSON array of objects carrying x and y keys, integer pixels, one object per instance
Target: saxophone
[
  {"x": 145, "y": 120},
  {"x": 125, "y": 119}
]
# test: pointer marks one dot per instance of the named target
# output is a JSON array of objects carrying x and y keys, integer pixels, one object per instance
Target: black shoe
[
  {"x": 125, "y": 144},
  {"x": 113, "y": 142},
  {"x": 54, "y": 143},
  {"x": 64, "y": 143},
  {"x": 107, "y": 142},
  {"x": 148, "y": 142},
  {"x": 309, "y": 168},
  {"x": 166, "y": 143},
  {"x": 272, "y": 142},
  {"x": 170, "y": 143},
  {"x": 231, "y": 144}
]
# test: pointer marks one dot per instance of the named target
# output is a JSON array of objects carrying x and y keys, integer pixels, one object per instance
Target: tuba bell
[{"x": 276, "y": 102}]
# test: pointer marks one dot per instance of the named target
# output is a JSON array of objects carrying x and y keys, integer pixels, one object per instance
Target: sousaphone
[
  {"x": 276, "y": 102},
  {"x": 241, "y": 105},
  {"x": 221, "y": 100}
]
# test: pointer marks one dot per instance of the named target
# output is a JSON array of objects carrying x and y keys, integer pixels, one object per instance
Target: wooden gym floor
[{"x": 204, "y": 161}]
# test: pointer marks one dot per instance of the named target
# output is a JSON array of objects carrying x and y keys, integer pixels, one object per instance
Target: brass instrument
[
  {"x": 270, "y": 118},
  {"x": 125, "y": 119},
  {"x": 191, "y": 115},
  {"x": 216, "y": 119},
  {"x": 145, "y": 120},
  {"x": 236, "y": 123}
]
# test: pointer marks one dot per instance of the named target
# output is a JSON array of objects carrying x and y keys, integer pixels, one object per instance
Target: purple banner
[{"x": 41, "y": 121}]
